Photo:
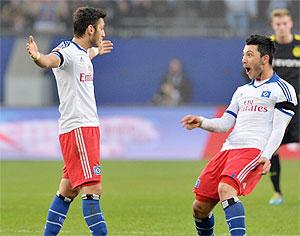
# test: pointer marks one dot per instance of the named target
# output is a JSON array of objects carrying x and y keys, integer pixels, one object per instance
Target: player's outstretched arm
[
  {"x": 44, "y": 61},
  {"x": 191, "y": 122},
  {"x": 218, "y": 125},
  {"x": 104, "y": 47}
]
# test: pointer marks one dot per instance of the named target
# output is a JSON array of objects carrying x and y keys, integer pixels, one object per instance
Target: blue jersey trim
[
  {"x": 285, "y": 112},
  {"x": 273, "y": 79},
  {"x": 231, "y": 113},
  {"x": 80, "y": 48},
  {"x": 285, "y": 90},
  {"x": 64, "y": 44},
  {"x": 251, "y": 82}
]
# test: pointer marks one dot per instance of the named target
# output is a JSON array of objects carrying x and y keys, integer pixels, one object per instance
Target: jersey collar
[
  {"x": 79, "y": 47},
  {"x": 273, "y": 79}
]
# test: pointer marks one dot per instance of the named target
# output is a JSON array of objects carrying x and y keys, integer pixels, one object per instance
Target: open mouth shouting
[{"x": 248, "y": 70}]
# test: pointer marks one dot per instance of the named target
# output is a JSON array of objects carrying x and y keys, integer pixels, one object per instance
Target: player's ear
[
  {"x": 90, "y": 29},
  {"x": 266, "y": 59}
]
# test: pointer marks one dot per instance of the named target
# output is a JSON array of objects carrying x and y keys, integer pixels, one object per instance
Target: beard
[
  {"x": 95, "y": 40},
  {"x": 258, "y": 69}
]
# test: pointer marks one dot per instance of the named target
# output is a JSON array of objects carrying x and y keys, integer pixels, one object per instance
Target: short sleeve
[{"x": 63, "y": 52}]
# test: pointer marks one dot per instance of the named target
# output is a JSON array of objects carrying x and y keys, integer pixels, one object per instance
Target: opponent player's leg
[
  {"x": 59, "y": 208},
  {"x": 92, "y": 210},
  {"x": 233, "y": 208},
  {"x": 277, "y": 198},
  {"x": 203, "y": 215}
]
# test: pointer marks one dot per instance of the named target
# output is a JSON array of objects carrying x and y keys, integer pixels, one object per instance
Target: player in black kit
[{"x": 287, "y": 65}]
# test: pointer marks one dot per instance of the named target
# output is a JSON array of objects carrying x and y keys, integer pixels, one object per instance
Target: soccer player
[
  {"x": 79, "y": 134},
  {"x": 286, "y": 63},
  {"x": 259, "y": 113}
]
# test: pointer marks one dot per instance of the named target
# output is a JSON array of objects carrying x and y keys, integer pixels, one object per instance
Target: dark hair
[
  {"x": 264, "y": 45},
  {"x": 85, "y": 16}
]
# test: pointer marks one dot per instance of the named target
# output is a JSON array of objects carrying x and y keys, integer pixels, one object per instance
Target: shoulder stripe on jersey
[
  {"x": 64, "y": 44},
  {"x": 231, "y": 113},
  {"x": 284, "y": 90},
  {"x": 289, "y": 113},
  {"x": 287, "y": 88}
]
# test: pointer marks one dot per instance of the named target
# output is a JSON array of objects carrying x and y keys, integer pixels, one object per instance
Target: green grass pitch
[{"x": 140, "y": 198}]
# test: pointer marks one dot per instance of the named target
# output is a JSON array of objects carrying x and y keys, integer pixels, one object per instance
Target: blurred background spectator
[
  {"x": 175, "y": 88},
  {"x": 239, "y": 15},
  {"x": 216, "y": 18}
]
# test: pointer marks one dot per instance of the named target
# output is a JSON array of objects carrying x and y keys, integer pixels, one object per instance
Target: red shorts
[
  {"x": 81, "y": 152},
  {"x": 236, "y": 167}
]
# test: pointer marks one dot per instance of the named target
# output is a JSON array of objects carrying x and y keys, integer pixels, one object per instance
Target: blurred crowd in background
[{"x": 129, "y": 18}]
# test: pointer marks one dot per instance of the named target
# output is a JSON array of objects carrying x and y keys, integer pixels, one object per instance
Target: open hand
[
  {"x": 105, "y": 46},
  {"x": 32, "y": 48}
]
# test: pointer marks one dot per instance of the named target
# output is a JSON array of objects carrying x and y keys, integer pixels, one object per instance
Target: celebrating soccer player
[
  {"x": 79, "y": 134},
  {"x": 287, "y": 65},
  {"x": 259, "y": 113}
]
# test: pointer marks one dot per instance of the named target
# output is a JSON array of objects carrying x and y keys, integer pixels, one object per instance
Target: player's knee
[
  {"x": 200, "y": 210},
  {"x": 92, "y": 188},
  {"x": 75, "y": 192},
  {"x": 70, "y": 193},
  {"x": 227, "y": 190}
]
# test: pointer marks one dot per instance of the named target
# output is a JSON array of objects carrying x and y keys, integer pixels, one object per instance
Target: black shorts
[{"x": 292, "y": 131}]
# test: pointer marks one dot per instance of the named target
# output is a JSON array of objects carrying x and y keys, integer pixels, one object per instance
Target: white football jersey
[
  {"x": 74, "y": 78},
  {"x": 253, "y": 107}
]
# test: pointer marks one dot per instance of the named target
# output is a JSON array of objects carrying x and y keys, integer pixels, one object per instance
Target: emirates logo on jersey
[
  {"x": 249, "y": 105},
  {"x": 86, "y": 77}
]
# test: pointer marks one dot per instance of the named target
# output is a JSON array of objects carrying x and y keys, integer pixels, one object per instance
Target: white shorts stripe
[
  {"x": 253, "y": 166},
  {"x": 81, "y": 154},
  {"x": 244, "y": 171},
  {"x": 79, "y": 151},
  {"x": 86, "y": 159}
]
